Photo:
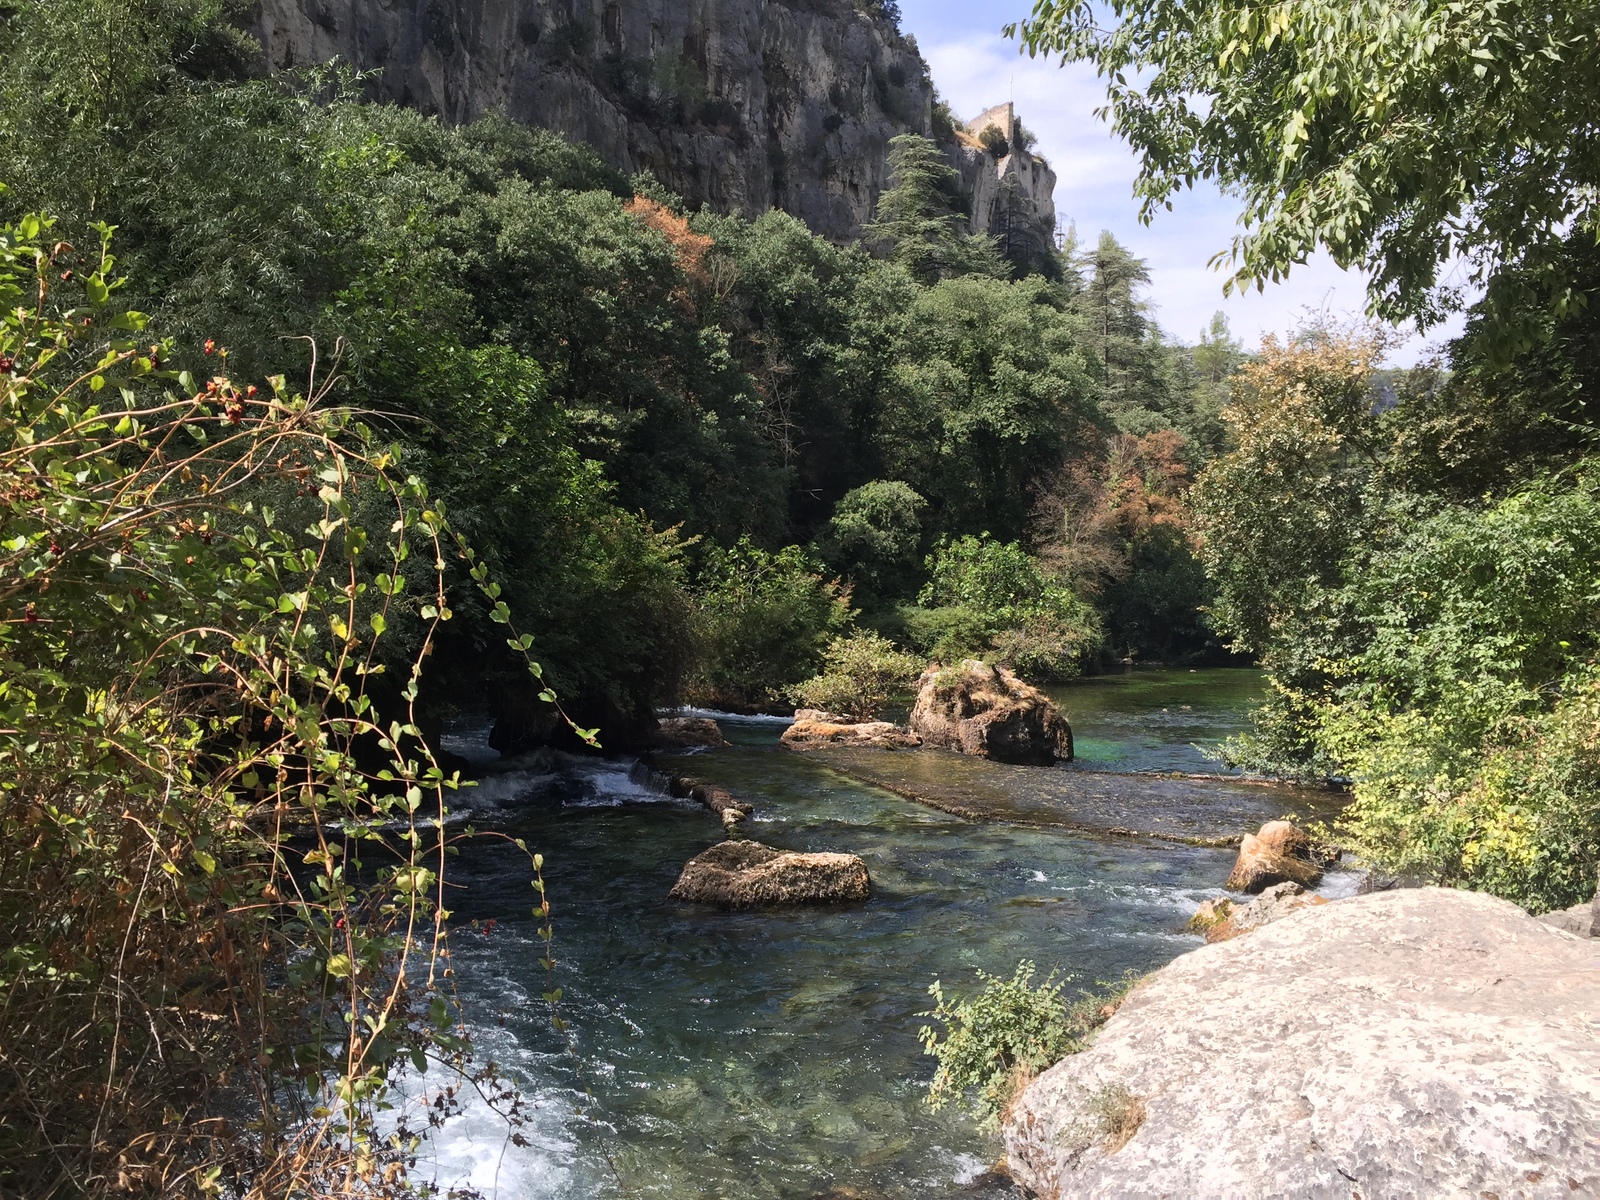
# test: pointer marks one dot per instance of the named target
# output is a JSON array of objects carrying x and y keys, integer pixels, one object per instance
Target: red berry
[
  {"x": 210, "y": 345},
  {"x": 6, "y": 364}
]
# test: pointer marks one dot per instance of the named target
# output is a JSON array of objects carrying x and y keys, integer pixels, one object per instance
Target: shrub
[
  {"x": 859, "y": 675},
  {"x": 992, "y": 600},
  {"x": 196, "y": 625},
  {"x": 1007, "y": 1033},
  {"x": 764, "y": 619}
]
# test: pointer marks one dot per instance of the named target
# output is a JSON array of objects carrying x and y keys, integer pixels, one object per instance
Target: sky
[{"x": 974, "y": 67}]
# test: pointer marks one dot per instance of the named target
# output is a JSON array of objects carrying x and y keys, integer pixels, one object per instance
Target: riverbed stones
[
  {"x": 745, "y": 874},
  {"x": 1278, "y": 853},
  {"x": 988, "y": 712},
  {"x": 684, "y": 733},
  {"x": 814, "y": 727},
  {"x": 1424, "y": 1042}
]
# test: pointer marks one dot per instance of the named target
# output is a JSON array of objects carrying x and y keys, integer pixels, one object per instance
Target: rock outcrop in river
[
  {"x": 813, "y": 727},
  {"x": 742, "y": 874},
  {"x": 988, "y": 712},
  {"x": 745, "y": 105},
  {"x": 1422, "y": 1042},
  {"x": 1276, "y": 853}
]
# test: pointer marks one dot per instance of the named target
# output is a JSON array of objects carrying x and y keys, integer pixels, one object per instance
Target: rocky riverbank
[{"x": 1417, "y": 1042}]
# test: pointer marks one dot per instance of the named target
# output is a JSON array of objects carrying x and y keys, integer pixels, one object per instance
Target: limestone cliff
[{"x": 744, "y": 105}]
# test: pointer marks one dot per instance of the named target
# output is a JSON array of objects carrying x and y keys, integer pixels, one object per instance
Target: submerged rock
[
  {"x": 725, "y": 804},
  {"x": 1222, "y": 919},
  {"x": 684, "y": 732},
  {"x": 743, "y": 874},
  {"x": 1421, "y": 1042},
  {"x": 1278, "y": 853},
  {"x": 989, "y": 713},
  {"x": 813, "y": 727}
]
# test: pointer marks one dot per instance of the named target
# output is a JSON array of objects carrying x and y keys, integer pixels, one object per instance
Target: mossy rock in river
[
  {"x": 989, "y": 713},
  {"x": 744, "y": 874}
]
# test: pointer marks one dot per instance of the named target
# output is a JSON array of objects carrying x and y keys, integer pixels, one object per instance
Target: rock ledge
[{"x": 1423, "y": 1042}]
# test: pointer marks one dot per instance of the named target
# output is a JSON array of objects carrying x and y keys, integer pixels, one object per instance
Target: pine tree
[{"x": 914, "y": 214}]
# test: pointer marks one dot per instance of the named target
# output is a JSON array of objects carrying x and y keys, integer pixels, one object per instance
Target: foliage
[
  {"x": 990, "y": 393},
  {"x": 1276, "y": 514},
  {"x": 996, "y": 1040},
  {"x": 1120, "y": 526},
  {"x": 914, "y": 214},
  {"x": 859, "y": 675},
  {"x": 877, "y": 529},
  {"x": 221, "y": 903},
  {"x": 1396, "y": 134},
  {"x": 992, "y": 600},
  {"x": 764, "y": 620},
  {"x": 1464, "y": 709}
]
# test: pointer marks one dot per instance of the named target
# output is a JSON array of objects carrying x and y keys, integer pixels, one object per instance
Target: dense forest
[{"x": 267, "y": 342}]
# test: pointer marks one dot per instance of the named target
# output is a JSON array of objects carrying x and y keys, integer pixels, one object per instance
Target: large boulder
[
  {"x": 813, "y": 727},
  {"x": 684, "y": 733},
  {"x": 988, "y": 712},
  {"x": 743, "y": 874},
  {"x": 1580, "y": 919},
  {"x": 1278, "y": 853},
  {"x": 1425, "y": 1042}
]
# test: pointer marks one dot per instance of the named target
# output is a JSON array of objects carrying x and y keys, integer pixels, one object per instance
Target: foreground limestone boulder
[
  {"x": 743, "y": 874},
  {"x": 1425, "y": 1042},
  {"x": 1581, "y": 919},
  {"x": 813, "y": 727},
  {"x": 1278, "y": 853},
  {"x": 682, "y": 733},
  {"x": 988, "y": 712}
]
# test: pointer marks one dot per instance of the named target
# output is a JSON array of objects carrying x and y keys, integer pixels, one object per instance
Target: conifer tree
[{"x": 914, "y": 213}]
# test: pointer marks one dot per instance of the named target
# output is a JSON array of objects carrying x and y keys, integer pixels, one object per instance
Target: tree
[
  {"x": 1396, "y": 134},
  {"x": 916, "y": 216}
]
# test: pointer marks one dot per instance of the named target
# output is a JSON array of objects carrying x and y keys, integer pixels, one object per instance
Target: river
[{"x": 768, "y": 1055}]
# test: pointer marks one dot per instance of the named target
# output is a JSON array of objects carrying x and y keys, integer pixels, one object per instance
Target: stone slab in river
[
  {"x": 1424, "y": 1042},
  {"x": 744, "y": 874}
]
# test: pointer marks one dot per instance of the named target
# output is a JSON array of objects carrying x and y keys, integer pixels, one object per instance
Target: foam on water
[{"x": 719, "y": 716}]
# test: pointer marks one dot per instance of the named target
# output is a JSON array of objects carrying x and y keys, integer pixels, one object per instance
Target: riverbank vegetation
[
  {"x": 1412, "y": 555},
  {"x": 716, "y": 459}
]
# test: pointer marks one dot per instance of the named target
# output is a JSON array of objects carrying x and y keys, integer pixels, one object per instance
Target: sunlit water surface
[{"x": 774, "y": 1054}]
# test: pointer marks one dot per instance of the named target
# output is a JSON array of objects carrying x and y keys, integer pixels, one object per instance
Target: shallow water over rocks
[{"x": 774, "y": 1054}]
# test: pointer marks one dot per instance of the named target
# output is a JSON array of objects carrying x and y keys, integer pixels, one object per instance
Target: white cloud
[{"x": 974, "y": 68}]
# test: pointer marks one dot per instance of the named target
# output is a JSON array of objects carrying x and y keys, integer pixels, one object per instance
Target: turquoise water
[
  {"x": 1157, "y": 720},
  {"x": 775, "y": 1054}
]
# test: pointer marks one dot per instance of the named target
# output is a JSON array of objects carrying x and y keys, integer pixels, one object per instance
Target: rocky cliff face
[{"x": 744, "y": 105}]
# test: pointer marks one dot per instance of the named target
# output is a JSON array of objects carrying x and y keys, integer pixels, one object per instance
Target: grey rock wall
[{"x": 745, "y": 105}]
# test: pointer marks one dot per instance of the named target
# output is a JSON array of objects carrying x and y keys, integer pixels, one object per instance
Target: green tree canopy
[{"x": 1396, "y": 134}]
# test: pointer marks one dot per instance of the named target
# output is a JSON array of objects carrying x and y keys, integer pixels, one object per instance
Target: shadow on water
[{"x": 775, "y": 1054}]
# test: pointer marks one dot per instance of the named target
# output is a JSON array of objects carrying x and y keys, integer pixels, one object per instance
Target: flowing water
[{"x": 774, "y": 1054}]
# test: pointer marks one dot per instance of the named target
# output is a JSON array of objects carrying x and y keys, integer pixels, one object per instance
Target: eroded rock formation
[
  {"x": 745, "y": 105},
  {"x": 988, "y": 712},
  {"x": 1424, "y": 1042}
]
